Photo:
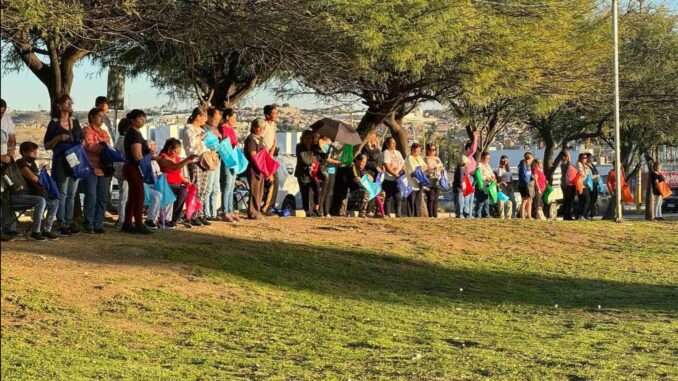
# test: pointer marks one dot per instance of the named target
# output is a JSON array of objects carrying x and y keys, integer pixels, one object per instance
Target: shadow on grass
[{"x": 363, "y": 275}]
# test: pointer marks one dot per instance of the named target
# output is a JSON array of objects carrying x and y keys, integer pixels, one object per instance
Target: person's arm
[
  {"x": 137, "y": 154},
  {"x": 274, "y": 145},
  {"x": 164, "y": 162},
  {"x": 474, "y": 145},
  {"x": 29, "y": 175},
  {"x": 11, "y": 144},
  {"x": 52, "y": 138},
  {"x": 91, "y": 141}
]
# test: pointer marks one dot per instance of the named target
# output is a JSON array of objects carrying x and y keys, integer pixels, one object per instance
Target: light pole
[{"x": 617, "y": 150}]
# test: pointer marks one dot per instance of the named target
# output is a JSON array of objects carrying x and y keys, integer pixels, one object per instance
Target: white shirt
[
  {"x": 192, "y": 139},
  {"x": 395, "y": 159},
  {"x": 269, "y": 134},
  {"x": 7, "y": 129}
]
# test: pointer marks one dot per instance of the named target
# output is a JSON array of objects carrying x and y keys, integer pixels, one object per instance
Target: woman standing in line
[
  {"x": 253, "y": 144},
  {"x": 63, "y": 131},
  {"x": 194, "y": 145},
  {"x": 307, "y": 162},
  {"x": 228, "y": 175},
  {"x": 584, "y": 197},
  {"x": 414, "y": 161},
  {"x": 394, "y": 166},
  {"x": 524, "y": 178},
  {"x": 97, "y": 185},
  {"x": 656, "y": 177},
  {"x": 329, "y": 157},
  {"x": 539, "y": 179},
  {"x": 136, "y": 148},
  {"x": 505, "y": 178},
  {"x": 374, "y": 167},
  {"x": 213, "y": 191},
  {"x": 434, "y": 172}
]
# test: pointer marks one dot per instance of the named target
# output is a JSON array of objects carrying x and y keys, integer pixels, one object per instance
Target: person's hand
[
  {"x": 476, "y": 133},
  {"x": 463, "y": 186},
  {"x": 192, "y": 157},
  {"x": 65, "y": 137},
  {"x": 6, "y": 159}
]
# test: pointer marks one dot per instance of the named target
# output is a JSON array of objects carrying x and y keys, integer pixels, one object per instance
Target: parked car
[
  {"x": 289, "y": 195},
  {"x": 671, "y": 203}
]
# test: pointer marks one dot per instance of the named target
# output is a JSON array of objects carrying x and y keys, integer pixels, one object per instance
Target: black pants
[
  {"x": 568, "y": 199},
  {"x": 584, "y": 202},
  {"x": 392, "y": 191},
  {"x": 326, "y": 194},
  {"x": 340, "y": 192},
  {"x": 178, "y": 207},
  {"x": 593, "y": 207},
  {"x": 432, "y": 201},
  {"x": 414, "y": 203},
  {"x": 306, "y": 188}
]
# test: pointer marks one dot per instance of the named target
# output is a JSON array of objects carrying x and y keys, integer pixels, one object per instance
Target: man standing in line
[{"x": 271, "y": 143}]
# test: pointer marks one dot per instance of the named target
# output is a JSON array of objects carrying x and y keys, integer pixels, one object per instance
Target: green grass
[{"x": 389, "y": 300}]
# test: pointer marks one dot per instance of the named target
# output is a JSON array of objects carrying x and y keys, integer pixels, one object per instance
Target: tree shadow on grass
[{"x": 364, "y": 275}]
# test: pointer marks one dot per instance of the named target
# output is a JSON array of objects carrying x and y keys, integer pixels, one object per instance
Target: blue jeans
[
  {"x": 154, "y": 205},
  {"x": 459, "y": 203},
  {"x": 468, "y": 201},
  {"x": 212, "y": 193},
  {"x": 96, "y": 200},
  {"x": 483, "y": 204},
  {"x": 67, "y": 189},
  {"x": 39, "y": 205},
  {"x": 227, "y": 185}
]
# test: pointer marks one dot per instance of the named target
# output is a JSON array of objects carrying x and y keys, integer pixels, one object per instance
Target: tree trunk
[
  {"x": 228, "y": 93},
  {"x": 395, "y": 126}
]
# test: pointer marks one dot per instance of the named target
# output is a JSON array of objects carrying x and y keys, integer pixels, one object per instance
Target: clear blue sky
[{"x": 23, "y": 91}]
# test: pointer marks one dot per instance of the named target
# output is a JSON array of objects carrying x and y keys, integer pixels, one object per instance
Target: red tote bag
[
  {"x": 469, "y": 187},
  {"x": 265, "y": 163}
]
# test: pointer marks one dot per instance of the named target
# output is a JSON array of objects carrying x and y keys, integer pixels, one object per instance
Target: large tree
[{"x": 50, "y": 37}]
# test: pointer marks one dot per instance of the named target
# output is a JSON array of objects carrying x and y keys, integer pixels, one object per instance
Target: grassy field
[{"x": 310, "y": 299}]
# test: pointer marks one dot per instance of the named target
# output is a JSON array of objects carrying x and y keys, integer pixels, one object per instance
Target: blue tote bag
[
  {"x": 589, "y": 182},
  {"x": 47, "y": 182},
  {"x": 76, "y": 157},
  {"x": 421, "y": 177},
  {"x": 227, "y": 154},
  {"x": 404, "y": 186},
  {"x": 241, "y": 160},
  {"x": 111, "y": 155},
  {"x": 443, "y": 180},
  {"x": 147, "y": 169},
  {"x": 370, "y": 187},
  {"x": 162, "y": 186},
  {"x": 211, "y": 140}
]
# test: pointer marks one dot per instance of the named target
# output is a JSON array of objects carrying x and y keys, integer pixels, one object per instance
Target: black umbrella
[{"x": 338, "y": 131}]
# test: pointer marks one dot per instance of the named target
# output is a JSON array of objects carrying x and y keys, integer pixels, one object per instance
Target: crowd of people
[{"x": 377, "y": 181}]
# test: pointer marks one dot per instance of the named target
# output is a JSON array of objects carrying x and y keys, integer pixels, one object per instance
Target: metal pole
[{"x": 617, "y": 149}]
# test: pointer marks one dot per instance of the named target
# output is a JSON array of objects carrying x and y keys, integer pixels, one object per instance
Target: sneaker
[
  {"x": 142, "y": 229},
  {"x": 151, "y": 225},
  {"x": 128, "y": 228},
  {"x": 171, "y": 225},
  {"x": 73, "y": 230},
  {"x": 205, "y": 221},
  {"x": 50, "y": 235},
  {"x": 36, "y": 236},
  {"x": 12, "y": 233},
  {"x": 99, "y": 231},
  {"x": 196, "y": 222},
  {"x": 88, "y": 231},
  {"x": 6, "y": 237},
  {"x": 186, "y": 223},
  {"x": 66, "y": 232}
]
